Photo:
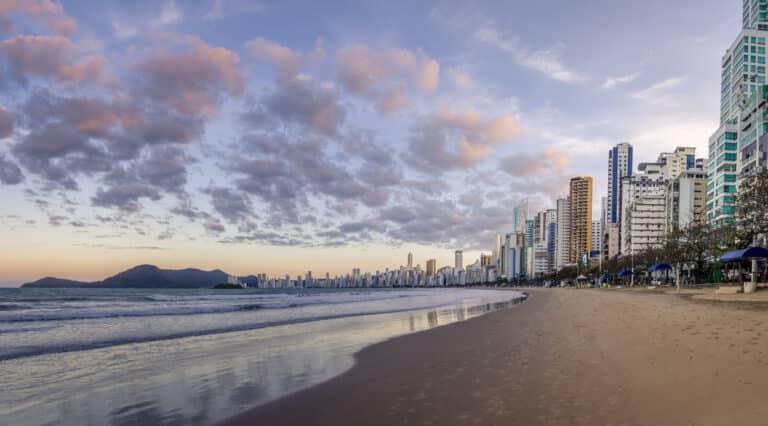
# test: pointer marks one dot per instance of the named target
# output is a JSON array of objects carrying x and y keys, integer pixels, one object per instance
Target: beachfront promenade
[{"x": 566, "y": 356}]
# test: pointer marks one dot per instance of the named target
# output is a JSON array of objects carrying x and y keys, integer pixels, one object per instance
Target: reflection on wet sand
[{"x": 202, "y": 380}]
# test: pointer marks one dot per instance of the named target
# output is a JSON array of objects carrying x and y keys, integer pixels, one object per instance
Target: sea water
[{"x": 162, "y": 357}]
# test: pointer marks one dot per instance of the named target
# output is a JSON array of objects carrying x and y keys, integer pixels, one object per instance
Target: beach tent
[
  {"x": 606, "y": 279},
  {"x": 753, "y": 254},
  {"x": 660, "y": 267},
  {"x": 745, "y": 254}
]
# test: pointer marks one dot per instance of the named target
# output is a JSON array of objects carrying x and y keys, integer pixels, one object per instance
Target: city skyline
[{"x": 205, "y": 134}]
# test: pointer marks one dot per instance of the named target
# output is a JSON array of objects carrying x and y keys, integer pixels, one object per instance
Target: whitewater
[{"x": 99, "y": 356}]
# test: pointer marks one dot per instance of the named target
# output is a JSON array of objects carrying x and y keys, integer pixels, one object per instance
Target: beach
[{"x": 592, "y": 357}]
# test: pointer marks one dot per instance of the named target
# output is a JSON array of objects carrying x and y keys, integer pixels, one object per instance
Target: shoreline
[{"x": 562, "y": 357}]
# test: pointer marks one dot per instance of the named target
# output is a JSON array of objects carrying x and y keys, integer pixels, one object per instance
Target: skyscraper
[
  {"x": 619, "y": 165},
  {"x": 410, "y": 260},
  {"x": 431, "y": 267},
  {"x": 459, "y": 260},
  {"x": 563, "y": 246},
  {"x": 597, "y": 235},
  {"x": 755, "y": 15},
  {"x": 743, "y": 71},
  {"x": 580, "y": 218}
]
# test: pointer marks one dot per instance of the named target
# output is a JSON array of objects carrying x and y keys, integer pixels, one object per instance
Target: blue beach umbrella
[{"x": 625, "y": 273}]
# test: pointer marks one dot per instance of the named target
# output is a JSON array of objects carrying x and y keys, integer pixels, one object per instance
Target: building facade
[
  {"x": 743, "y": 72},
  {"x": 580, "y": 218},
  {"x": 686, "y": 199},
  {"x": 563, "y": 245},
  {"x": 619, "y": 166}
]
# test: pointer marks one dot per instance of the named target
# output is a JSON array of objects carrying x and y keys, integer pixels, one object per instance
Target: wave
[
  {"x": 75, "y": 347},
  {"x": 170, "y": 305},
  {"x": 13, "y": 307}
]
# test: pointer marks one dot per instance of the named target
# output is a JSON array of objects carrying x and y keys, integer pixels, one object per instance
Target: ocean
[{"x": 195, "y": 357}]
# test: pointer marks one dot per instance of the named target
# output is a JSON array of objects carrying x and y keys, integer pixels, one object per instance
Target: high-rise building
[
  {"x": 603, "y": 247},
  {"x": 519, "y": 216},
  {"x": 497, "y": 254},
  {"x": 459, "y": 260},
  {"x": 485, "y": 260},
  {"x": 649, "y": 180},
  {"x": 722, "y": 174},
  {"x": 682, "y": 159},
  {"x": 530, "y": 226},
  {"x": 755, "y": 14},
  {"x": 410, "y": 260},
  {"x": 753, "y": 131},
  {"x": 563, "y": 245},
  {"x": 743, "y": 71},
  {"x": 580, "y": 218},
  {"x": 431, "y": 267},
  {"x": 686, "y": 199},
  {"x": 645, "y": 221},
  {"x": 619, "y": 166},
  {"x": 597, "y": 235}
]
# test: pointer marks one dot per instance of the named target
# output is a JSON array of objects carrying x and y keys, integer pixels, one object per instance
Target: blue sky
[{"x": 287, "y": 136}]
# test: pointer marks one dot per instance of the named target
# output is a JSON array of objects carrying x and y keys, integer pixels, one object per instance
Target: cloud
[
  {"x": 545, "y": 163},
  {"x": 299, "y": 103},
  {"x": 383, "y": 75},
  {"x": 393, "y": 100},
  {"x": 545, "y": 61},
  {"x": 430, "y": 75},
  {"x": 49, "y": 56},
  {"x": 612, "y": 82},
  {"x": 286, "y": 60},
  {"x": 170, "y": 14},
  {"x": 193, "y": 80},
  {"x": 232, "y": 205},
  {"x": 48, "y": 12},
  {"x": 10, "y": 173},
  {"x": 658, "y": 93},
  {"x": 224, "y": 8},
  {"x": 6, "y": 123},
  {"x": 461, "y": 79},
  {"x": 452, "y": 139}
]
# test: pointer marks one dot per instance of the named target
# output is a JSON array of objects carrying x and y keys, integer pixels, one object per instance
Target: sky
[{"x": 284, "y": 136}]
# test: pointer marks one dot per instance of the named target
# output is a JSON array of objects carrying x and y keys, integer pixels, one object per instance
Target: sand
[{"x": 565, "y": 357}]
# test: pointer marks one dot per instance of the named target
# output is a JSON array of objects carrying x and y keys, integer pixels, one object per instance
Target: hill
[{"x": 143, "y": 276}]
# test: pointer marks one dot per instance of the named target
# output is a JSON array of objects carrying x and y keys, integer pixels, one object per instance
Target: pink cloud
[
  {"x": 50, "y": 56},
  {"x": 48, "y": 12},
  {"x": 286, "y": 60},
  {"x": 430, "y": 75},
  {"x": 191, "y": 81},
  {"x": 498, "y": 129},
  {"x": 371, "y": 73},
  {"x": 393, "y": 100}
]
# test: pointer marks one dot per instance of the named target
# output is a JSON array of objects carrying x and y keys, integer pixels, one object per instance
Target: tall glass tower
[
  {"x": 756, "y": 15},
  {"x": 743, "y": 71},
  {"x": 619, "y": 166}
]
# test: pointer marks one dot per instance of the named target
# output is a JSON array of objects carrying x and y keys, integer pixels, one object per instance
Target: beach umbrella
[
  {"x": 625, "y": 273},
  {"x": 606, "y": 277},
  {"x": 660, "y": 267}
]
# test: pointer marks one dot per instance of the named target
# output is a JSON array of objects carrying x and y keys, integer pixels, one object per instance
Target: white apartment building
[{"x": 563, "y": 244}]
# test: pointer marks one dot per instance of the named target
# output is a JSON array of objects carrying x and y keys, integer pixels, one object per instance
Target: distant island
[{"x": 148, "y": 276}]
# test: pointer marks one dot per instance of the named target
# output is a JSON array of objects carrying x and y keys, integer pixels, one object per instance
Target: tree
[{"x": 751, "y": 212}]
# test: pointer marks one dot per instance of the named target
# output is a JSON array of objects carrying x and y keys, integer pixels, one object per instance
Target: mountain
[
  {"x": 57, "y": 282},
  {"x": 144, "y": 276}
]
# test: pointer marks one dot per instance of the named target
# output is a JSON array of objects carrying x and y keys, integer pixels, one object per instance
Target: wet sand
[{"x": 607, "y": 357}]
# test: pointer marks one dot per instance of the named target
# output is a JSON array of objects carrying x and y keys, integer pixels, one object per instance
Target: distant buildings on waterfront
[{"x": 644, "y": 203}]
